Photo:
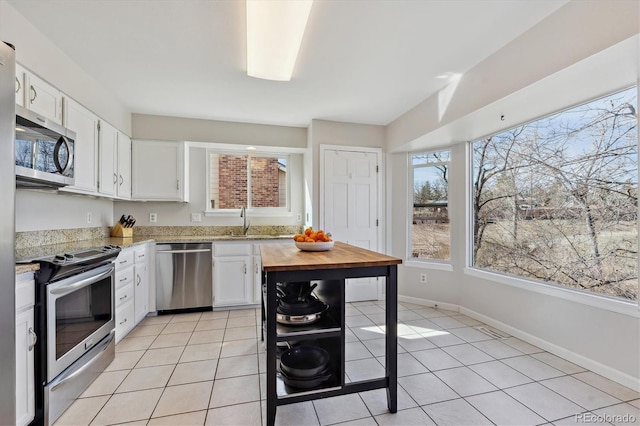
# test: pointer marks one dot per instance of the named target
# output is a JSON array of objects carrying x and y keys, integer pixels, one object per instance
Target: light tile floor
[{"x": 209, "y": 369}]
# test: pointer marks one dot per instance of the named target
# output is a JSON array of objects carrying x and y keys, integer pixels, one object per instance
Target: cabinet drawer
[
  {"x": 25, "y": 294},
  {"x": 124, "y": 278},
  {"x": 231, "y": 249},
  {"x": 124, "y": 320},
  {"x": 124, "y": 259},
  {"x": 140, "y": 256},
  {"x": 124, "y": 295}
]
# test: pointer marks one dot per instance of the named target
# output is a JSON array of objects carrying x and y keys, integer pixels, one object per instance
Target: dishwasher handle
[{"x": 185, "y": 251}]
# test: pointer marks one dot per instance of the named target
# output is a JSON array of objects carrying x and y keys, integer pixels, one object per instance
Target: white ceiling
[{"x": 362, "y": 61}]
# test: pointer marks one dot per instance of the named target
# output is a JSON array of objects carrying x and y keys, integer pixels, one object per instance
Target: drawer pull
[
  {"x": 123, "y": 297},
  {"x": 122, "y": 322},
  {"x": 123, "y": 279}
]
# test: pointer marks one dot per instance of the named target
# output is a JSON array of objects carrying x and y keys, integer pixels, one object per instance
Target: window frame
[
  {"x": 254, "y": 211},
  {"x": 438, "y": 264},
  {"x": 585, "y": 297}
]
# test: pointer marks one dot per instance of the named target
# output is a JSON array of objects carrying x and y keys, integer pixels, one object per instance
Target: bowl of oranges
[{"x": 312, "y": 240}]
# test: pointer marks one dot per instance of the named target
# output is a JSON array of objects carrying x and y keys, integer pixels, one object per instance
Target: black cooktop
[{"x": 59, "y": 266}]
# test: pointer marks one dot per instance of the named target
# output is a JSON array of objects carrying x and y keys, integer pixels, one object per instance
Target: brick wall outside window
[
  {"x": 232, "y": 174},
  {"x": 264, "y": 182}
]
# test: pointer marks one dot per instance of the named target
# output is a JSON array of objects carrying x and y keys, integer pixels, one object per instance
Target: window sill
[
  {"x": 619, "y": 306},
  {"x": 426, "y": 264},
  {"x": 250, "y": 214}
]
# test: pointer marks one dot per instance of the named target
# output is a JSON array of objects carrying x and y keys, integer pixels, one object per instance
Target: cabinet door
[
  {"x": 108, "y": 177},
  {"x": 85, "y": 124},
  {"x": 231, "y": 281},
  {"x": 257, "y": 279},
  {"x": 43, "y": 98},
  {"x": 141, "y": 296},
  {"x": 157, "y": 170},
  {"x": 124, "y": 320},
  {"x": 124, "y": 166},
  {"x": 25, "y": 382},
  {"x": 20, "y": 84}
]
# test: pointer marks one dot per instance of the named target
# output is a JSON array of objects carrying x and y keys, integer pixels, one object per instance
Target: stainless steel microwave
[{"x": 44, "y": 151}]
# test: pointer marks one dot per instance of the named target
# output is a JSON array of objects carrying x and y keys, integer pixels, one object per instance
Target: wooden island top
[{"x": 287, "y": 257}]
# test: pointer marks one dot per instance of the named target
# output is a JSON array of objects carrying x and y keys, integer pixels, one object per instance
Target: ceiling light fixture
[{"x": 274, "y": 33}]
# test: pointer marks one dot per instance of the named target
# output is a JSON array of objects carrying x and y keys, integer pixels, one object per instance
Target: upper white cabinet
[
  {"x": 158, "y": 171},
  {"x": 20, "y": 83},
  {"x": 108, "y": 143},
  {"x": 115, "y": 162},
  {"x": 123, "y": 189},
  {"x": 42, "y": 98},
  {"x": 85, "y": 124}
]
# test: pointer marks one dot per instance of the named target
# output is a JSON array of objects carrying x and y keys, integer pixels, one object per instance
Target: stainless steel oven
[{"x": 75, "y": 321}]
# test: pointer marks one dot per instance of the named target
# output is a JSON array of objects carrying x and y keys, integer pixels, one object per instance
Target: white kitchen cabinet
[
  {"x": 115, "y": 162},
  {"x": 42, "y": 98},
  {"x": 141, "y": 283},
  {"x": 107, "y": 172},
  {"x": 232, "y": 274},
  {"x": 85, "y": 124},
  {"x": 158, "y": 171},
  {"x": 125, "y": 293},
  {"x": 25, "y": 341},
  {"x": 123, "y": 189},
  {"x": 20, "y": 84}
]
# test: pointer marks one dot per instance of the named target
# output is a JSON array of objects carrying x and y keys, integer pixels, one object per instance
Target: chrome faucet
[{"x": 245, "y": 223}]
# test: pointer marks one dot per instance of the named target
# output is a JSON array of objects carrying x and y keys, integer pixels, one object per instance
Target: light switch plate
[{"x": 196, "y": 217}]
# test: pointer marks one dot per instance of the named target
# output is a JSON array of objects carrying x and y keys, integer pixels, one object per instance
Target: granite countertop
[
  {"x": 26, "y": 255},
  {"x": 27, "y": 267}
]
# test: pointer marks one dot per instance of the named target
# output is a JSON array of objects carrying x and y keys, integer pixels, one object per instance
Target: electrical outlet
[
  {"x": 196, "y": 217},
  {"x": 423, "y": 278},
  {"x": 89, "y": 217},
  {"x": 299, "y": 217},
  {"x": 153, "y": 217}
]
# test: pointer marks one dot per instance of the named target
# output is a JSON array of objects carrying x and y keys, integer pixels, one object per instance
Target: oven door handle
[
  {"x": 86, "y": 366},
  {"x": 66, "y": 289}
]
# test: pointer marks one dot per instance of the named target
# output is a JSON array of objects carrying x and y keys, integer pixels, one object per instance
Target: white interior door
[{"x": 350, "y": 208}]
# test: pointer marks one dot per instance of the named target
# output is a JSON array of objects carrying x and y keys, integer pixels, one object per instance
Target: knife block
[{"x": 120, "y": 231}]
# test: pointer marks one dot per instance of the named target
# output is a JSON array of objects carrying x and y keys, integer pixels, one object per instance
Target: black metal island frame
[{"x": 284, "y": 263}]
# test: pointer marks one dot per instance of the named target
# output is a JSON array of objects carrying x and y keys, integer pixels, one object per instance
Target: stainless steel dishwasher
[{"x": 183, "y": 277}]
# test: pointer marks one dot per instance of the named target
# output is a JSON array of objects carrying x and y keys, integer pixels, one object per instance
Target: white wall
[
  {"x": 555, "y": 65},
  {"x": 41, "y": 56},
  {"x": 42, "y": 210}
]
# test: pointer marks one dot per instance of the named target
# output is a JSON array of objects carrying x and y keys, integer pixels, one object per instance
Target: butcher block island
[{"x": 303, "y": 315}]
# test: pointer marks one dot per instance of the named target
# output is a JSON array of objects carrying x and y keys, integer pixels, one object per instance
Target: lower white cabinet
[
  {"x": 237, "y": 273},
  {"x": 125, "y": 293},
  {"x": 141, "y": 283},
  {"x": 25, "y": 341}
]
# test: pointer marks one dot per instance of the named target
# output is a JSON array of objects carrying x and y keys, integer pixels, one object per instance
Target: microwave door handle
[
  {"x": 66, "y": 289},
  {"x": 56, "y": 155}
]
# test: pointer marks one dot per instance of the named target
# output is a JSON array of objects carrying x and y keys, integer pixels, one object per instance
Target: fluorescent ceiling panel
[{"x": 274, "y": 33}]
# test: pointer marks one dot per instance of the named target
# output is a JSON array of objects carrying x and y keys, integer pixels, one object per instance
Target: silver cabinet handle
[
  {"x": 19, "y": 85},
  {"x": 121, "y": 180},
  {"x": 35, "y": 94},
  {"x": 122, "y": 322},
  {"x": 115, "y": 178},
  {"x": 123, "y": 297},
  {"x": 245, "y": 268},
  {"x": 34, "y": 338},
  {"x": 139, "y": 280}
]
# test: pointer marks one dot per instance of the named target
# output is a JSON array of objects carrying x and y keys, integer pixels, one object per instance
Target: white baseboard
[
  {"x": 597, "y": 367},
  {"x": 429, "y": 303}
]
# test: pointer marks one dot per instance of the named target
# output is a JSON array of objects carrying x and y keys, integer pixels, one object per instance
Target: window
[
  {"x": 256, "y": 181},
  {"x": 430, "y": 238},
  {"x": 555, "y": 200}
]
